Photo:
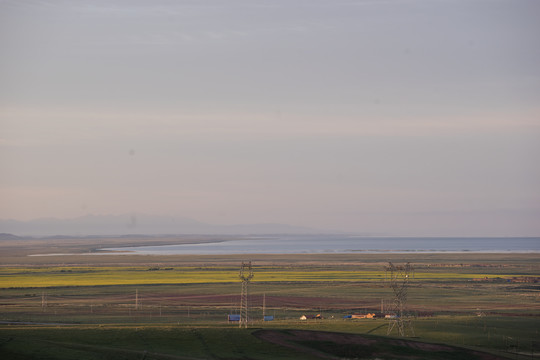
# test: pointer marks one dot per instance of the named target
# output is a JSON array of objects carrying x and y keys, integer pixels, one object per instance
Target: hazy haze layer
[{"x": 405, "y": 117}]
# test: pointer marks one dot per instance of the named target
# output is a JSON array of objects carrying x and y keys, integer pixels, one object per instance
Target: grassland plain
[
  {"x": 215, "y": 341},
  {"x": 103, "y": 306}
]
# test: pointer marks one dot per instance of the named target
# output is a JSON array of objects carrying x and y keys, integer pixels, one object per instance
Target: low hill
[
  {"x": 138, "y": 224},
  {"x": 6, "y": 236}
]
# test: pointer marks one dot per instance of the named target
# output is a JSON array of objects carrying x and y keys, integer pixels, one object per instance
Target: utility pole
[
  {"x": 43, "y": 301},
  {"x": 264, "y": 306}
]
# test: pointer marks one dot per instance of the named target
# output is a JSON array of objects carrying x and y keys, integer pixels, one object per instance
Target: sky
[{"x": 391, "y": 117}]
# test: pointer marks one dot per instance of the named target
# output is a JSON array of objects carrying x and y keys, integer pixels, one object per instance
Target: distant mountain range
[{"x": 139, "y": 224}]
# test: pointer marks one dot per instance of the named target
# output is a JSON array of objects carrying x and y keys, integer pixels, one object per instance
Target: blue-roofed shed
[{"x": 234, "y": 317}]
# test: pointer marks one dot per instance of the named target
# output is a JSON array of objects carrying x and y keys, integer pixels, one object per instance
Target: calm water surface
[{"x": 339, "y": 244}]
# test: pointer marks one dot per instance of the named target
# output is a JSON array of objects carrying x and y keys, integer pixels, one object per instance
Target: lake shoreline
[{"x": 336, "y": 244}]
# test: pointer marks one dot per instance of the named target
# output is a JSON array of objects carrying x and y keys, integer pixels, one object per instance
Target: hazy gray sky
[{"x": 404, "y": 117}]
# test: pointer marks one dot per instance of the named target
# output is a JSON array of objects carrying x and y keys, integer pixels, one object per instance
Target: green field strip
[{"x": 93, "y": 276}]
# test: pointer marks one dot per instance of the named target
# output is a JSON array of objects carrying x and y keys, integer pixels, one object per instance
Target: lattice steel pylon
[
  {"x": 246, "y": 274},
  {"x": 399, "y": 279}
]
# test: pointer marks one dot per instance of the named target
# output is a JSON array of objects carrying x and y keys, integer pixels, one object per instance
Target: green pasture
[
  {"x": 196, "y": 302},
  {"x": 137, "y": 343},
  {"x": 511, "y": 338}
]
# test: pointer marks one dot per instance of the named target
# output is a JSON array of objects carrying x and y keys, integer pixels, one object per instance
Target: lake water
[{"x": 306, "y": 244}]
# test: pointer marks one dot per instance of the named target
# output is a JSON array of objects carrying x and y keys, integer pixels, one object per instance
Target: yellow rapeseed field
[{"x": 20, "y": 277}]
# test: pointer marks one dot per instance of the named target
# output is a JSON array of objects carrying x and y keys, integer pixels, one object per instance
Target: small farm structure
[
  {"x": 232, "y": 318},
  {"x": 311, "y": 317},
  {"x": 364, "y": 316},
  {"x": 268, "y": 318}
]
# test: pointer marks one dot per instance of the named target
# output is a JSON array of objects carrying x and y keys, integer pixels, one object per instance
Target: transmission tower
[
  {"x": 399, "y": 279},
  {"x": 246, "y": 274}
]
